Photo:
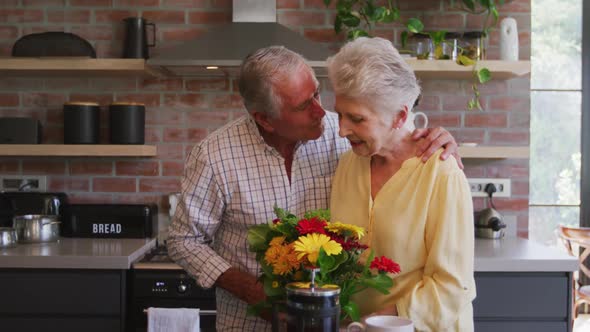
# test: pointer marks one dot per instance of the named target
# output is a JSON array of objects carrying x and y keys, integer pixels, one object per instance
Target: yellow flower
[
  {"x": 275, "y": 284},
  {"x": 310, "y": 245},
  {"x": 338, "y": 227}
]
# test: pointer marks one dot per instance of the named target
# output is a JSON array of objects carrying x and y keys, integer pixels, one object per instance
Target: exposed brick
[
  {"x": 325, "y": 35},
  {"x": 175, "y": 135},
  {"x": 153, "y": 135},
  {"x": 287, "y": 4},
  {"x": 228, "y": 101},
  {"x": 43, "y": 3},
  {"x": 195, "y": 134},
  {"x": 91, "y": 167},
  {"x": 136, "y": 3},
  {"x": 8, "y": 32},
  {"x": 68, "y": 16},
  {"x": 20, "y": 16},
  {"x": 53, "y": 135},
  {"x": 486, "y": 120},
  {"x": 165, "y": 16},
  {"x": 113, "y": 16},
  {"x": 170, "y": 152},
  {"x": 518, "y": 6},
  {"x": 443, "y": 21},
  {"x": 161, "y": 84},
  {"x": 519, "y": 120},
  {"x": 149, "y": 99},
  {"x": 91, "y": 3},
  {"x": 469, "y": 135},
  {"x": 189, "y": 100},
  {"x": 68, "y": 184},
  {"x": 109, "y": 84},
  {"x": 137, "y": 168},
  {"x": 299, "y": 18},
  {"x": 186, "y": 3},
  {"x": 67, "y": 83},
  {"x": 164, "y": 117},
  {"x": 202, "y": 17},
  {"x": 94, "y": 32},
  {"x": 420, "y": 5},
  {"x": 204, "y": 119},
  {"x": 114, "y": 185},
  {"x": 221, "y": 4},
  {"x": 509, "y": 137},
  {"x": 102, "y": 99},
  {"x": 319, "y": 4},
  {"x": 44, "y": 167},
  {"x": 172, "y": 168},
  {"x": 8, "y": 99},
  {"x": 455, "y": 102},
  {"x": 444, "y": 119},
  {"x": 503, "y": 103},
  {"x": 8, "y": 166},
  {"x": 43, "y": 99},
  {"x": 429, "y": 103},
  {"x": 520, "y": 188},
  {"x": 181, "y": 33},
  {"x": 512, "y": 204},
  {"x": 512, "y": 169},
  {"x": 84, "y": 198},
  {"x": 207, "y": 84},
  {"x": 138, "y": 198},
  {"x": 159, "y": 185}
]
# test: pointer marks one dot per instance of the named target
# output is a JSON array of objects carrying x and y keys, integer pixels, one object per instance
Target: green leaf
[
  {"x": 469, "y": 4},
  {"x": 380, "y": 282},
  {"x": 414, "y": 25},
  {"x": 471, "y": 104},
  {"x": 465, "y": 60},
  {"x": 437, "y": 36},
  {"x": 326, "y": 262},
  {"x": 404, "y": 38},
  {"x": 369, "y": 260},
  {"x": 327, "y": 3},
  {"x": 337, "y": 24},
  {"x": 352, "y": 310},
  {"x": 484, "y": 75},
  {"x": 257, "y": 237},
  {"x": 354, "y": 34},
  {"x": 379, "y": 14},
  {"x": 269, "y": 290},
  {"x": 350, "y": 20}
]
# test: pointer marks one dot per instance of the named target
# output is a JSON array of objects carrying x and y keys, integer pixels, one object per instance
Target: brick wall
[{"x": 180, "y": 112}]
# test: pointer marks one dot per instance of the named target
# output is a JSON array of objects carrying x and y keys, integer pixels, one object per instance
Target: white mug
[
  {"x": 418, "y": 115},
  {"x": 384, "y": 324}
]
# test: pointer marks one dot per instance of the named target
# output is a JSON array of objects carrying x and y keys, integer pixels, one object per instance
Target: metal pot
[
  {"x": 33, "y": 228},
  {"x": 8, "y": 237}
]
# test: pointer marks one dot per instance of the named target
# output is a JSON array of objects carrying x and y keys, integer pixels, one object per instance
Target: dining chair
[{"x": 578, "y": 237}]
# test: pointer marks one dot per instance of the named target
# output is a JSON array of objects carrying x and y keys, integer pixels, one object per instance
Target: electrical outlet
[
  {"x": 23, "y": 183},
  {"x": 478, "y": 186}
]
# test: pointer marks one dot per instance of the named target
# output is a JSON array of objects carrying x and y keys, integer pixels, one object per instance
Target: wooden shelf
[
  {"x": 75, "y": 150},
  {"x": 494, "y": 152},
  {"x": 448, "y": 69},
  {"x": 77, "y": 67}
]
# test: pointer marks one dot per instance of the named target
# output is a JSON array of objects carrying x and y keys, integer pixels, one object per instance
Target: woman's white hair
[
  {"x": 259, "y": 74},
  {"x": 371, "y": 71}
]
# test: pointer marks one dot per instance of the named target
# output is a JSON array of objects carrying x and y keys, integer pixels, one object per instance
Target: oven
[{"x": 156, "y": 281}]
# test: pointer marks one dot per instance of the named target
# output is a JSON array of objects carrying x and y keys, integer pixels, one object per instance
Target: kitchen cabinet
[
  {"x": 77, "y": 150},
  {"x": 523, "y": 301}
]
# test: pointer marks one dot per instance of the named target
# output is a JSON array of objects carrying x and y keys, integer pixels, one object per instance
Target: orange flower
[{"x": 282, "y": 258}]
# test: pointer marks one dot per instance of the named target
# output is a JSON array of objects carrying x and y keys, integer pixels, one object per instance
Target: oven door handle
[{"x": 201, "y": 312}]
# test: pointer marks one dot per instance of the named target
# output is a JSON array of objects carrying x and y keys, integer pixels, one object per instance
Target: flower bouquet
[{"x": 288, "y": 247}]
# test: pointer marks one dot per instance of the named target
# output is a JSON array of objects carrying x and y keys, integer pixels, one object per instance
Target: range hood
[{"x": 223, "y": 48}]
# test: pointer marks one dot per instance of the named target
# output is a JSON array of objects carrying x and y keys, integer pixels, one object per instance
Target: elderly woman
[{"x": 418, "y": 214}]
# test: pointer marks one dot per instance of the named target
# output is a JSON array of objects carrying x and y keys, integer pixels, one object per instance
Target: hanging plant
[{"x": 356, "y": 17}]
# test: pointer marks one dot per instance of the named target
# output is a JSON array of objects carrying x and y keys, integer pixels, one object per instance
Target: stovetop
[{"x": 157, "y": 259}]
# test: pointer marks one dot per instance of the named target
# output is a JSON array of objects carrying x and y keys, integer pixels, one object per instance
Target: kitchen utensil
[
  {"x": 52, "y": 43},
  {"x": 489, "y": 224},
  {"x": 81, "y": 123},
  {"x": 35, "y": 228},
  {"x": 136, "y": 42},
  {"x": 8, "y": 237},
  {"x": 17, "y": 130},
  {"x": 173, "y": 201},
  {"x": 127, "y": 123}
]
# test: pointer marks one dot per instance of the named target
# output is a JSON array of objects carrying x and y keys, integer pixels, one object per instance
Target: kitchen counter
[
  {"x": 513, "y": 254},
  {"x": 76, "y": 253}
]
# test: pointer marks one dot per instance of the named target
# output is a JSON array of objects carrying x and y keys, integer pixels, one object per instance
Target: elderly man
[{"x": 284, "y": 152}]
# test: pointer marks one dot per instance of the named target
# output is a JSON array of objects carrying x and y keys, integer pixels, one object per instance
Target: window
[{"x": 556, "y": 109}]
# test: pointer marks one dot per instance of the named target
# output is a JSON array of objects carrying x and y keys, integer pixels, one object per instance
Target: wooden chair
[{"x": 578, "y": 237}]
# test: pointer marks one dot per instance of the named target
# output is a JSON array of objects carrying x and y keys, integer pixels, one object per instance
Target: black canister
[
  {"x": 127, "y": 123},
  {"x": 136, "y": 41},
  {"x": 81, "y": 123},
  {"x": 311, "y": 309}
]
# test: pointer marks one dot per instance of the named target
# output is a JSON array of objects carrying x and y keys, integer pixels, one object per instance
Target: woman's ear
[
  {"x": 401, "y": 117},
  {"x": 263, "y": 120}
]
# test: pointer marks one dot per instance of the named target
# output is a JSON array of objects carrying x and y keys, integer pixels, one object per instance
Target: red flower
[
  {"x": 384, "y": 264},
  {"x": 313, "y": 225},
  {"x": 349, "y": 244},
  {"x": 276, "y": 221}
]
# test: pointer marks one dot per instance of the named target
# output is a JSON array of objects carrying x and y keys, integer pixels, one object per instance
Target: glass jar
[
  {"x": 312, "y": 309},
  {"x": 421, "y": 46},
  {"x": 450, "y": 47},
  {"x": 473, "y": 45}
]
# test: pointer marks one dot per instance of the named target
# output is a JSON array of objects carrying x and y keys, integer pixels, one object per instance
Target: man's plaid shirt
[{"x": 232, "y": 180}]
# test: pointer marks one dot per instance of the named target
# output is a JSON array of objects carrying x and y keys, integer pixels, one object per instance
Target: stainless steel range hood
[{"x": 254, "y": 26}]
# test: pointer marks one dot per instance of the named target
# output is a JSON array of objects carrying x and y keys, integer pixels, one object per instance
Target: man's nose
[{"x": 317, "y": 109}]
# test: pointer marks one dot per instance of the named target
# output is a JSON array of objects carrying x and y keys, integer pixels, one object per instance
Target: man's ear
[
  {"x": 263, "y": 120},
  {"x": 399, "y": 120}
]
